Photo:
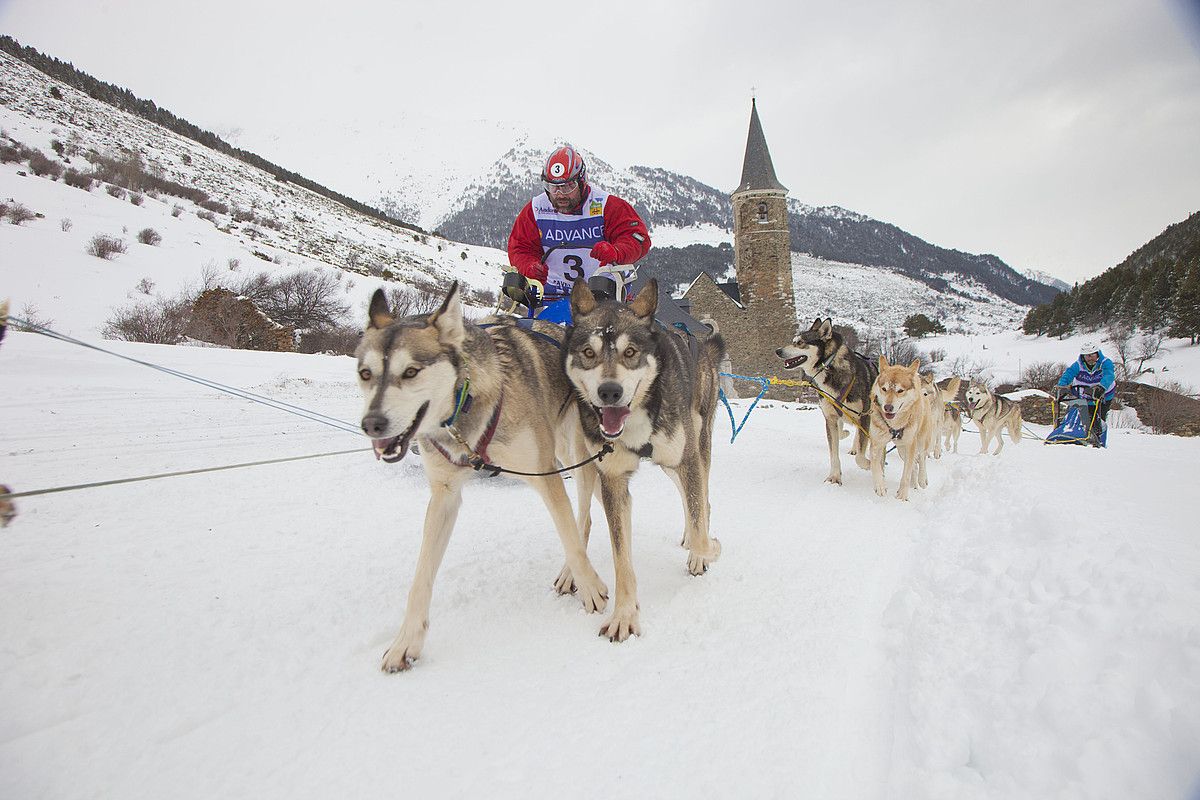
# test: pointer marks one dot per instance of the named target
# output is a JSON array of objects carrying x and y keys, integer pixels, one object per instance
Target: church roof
[{"x": 758, "y": 173}]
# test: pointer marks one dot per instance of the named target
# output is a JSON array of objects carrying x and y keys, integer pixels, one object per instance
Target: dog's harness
[{"x": 476, "y": 456}]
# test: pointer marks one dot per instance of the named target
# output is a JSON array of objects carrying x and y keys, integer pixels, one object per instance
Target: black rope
[{"x": 479, "y": 464}]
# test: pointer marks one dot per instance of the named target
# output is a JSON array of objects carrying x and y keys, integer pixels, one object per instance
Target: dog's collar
[
  {"x": 462, "y": 403},
  {"x": 824, "y": 363},
  {"x": 476, "y": 456}
]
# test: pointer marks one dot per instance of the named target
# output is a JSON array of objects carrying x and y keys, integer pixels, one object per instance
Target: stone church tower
[{"x": 760, "y": 315}]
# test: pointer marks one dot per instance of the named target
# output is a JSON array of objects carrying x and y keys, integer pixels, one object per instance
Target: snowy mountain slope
[
  {"x": 672, "y": 202},
  {"x": 303, "y": 226},
  {"x": 219, "y": 635}
]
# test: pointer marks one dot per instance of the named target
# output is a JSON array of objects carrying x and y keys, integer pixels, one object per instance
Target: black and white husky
[
  {"x": 643, "y": 390},
  {"x": 844, "y": 379},
  {"x": 993, "y": 413},
  {"x": 468, "y": 395}
]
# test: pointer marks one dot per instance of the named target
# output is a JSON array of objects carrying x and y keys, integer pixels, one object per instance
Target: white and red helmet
[{"x": 563, "y": 166}]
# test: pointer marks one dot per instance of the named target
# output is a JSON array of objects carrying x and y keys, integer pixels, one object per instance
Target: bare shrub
[
  {"x": 305, "y": 300},
  {"x": 31, "y": 319},
  {"x": 4, "y": 210},
  {"x": 66, "y": 224},
  {"x": 214, "y": 206},
  {"x": 19, "y": 213},
  {"x": 405, "y": 301},
  {"x": 937, "y": 355},
  {"x": 137, "y": 198},
  {"x": 43, "y": 167},
  {"x": 1168, "y": 408},
  {"x": 1041, "y": 374},
  {"x": 161, "y": 321},
  {"x": 115, "y": 191},
  {"x": 79, "y": 180},
  {"x": 338, "y": 340},
  {"x": 176, "y": 211},
  {"x": 233, "y": 264},
  {"x": 208, "y": 215},
  {"x": 149, "y": 236},
  {"x": 896, "y": 348},
  {"x": 106, "y": 247},
  {"x": 145, "y": 286},
  {"x": 58, "y": 147},
  {"x": 9, "y": 154}
]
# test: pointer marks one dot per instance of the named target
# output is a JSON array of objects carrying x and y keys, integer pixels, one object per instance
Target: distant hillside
[
  {"x": 1156, "y": 288},
  {"x": 148, "y": 110},
  {"x": 485, "y": 210}
]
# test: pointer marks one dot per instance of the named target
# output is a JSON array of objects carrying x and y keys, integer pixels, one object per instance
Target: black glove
[{"x": 1097, "y": 392}]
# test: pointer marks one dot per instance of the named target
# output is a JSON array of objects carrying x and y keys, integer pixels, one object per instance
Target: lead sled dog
[
  {"x": 844, "y": 379},
  {"x": 901, "y": 414},
  {"x": 642, "y": 390},
  {"x": 993, "y": 413},
  {"x": 468, "y": 394}
]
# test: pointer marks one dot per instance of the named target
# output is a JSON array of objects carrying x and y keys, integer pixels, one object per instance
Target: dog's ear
[
  {"x": 583, "y": 302},
  {"x": 448, "y": 319},
  {"x": 816, "y": 324},
  {"x": 379, "y": 315},
  {"x": 646, "y": 302},
  {"x": 883, "y": 362},
  {"x": 953, "y": 386},
  {"x": 915, "y": 366},
  {"x": 827, "y": 329}
]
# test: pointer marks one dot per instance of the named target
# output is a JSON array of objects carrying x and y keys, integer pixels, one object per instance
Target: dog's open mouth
[
  {"x": 612, "y": 420},
  {"x": 792, "y": 363},
  {"x": 889, "y": 415},
  {"x": 393, "y": 449}
]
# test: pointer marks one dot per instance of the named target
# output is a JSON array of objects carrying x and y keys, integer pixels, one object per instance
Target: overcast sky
[{"x": 1057, "y": 135}]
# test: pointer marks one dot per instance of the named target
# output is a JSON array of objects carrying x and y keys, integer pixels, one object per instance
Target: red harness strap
[{"x": 478, "y": 454}]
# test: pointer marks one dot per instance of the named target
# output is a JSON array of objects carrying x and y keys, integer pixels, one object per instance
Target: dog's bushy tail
[{"x": 1014, "y": 426}]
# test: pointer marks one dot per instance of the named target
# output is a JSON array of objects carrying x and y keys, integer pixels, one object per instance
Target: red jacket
[{"x": 621, "y": 223}]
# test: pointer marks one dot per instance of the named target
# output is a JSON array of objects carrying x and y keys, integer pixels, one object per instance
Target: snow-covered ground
[{"x": 1025, "y": 627}]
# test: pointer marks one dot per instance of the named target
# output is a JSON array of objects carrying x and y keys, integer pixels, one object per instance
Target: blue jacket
[{"x": 1104, "y": 374}]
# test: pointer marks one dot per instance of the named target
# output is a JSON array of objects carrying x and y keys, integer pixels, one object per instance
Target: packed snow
[{"x": 1025, "y": 627}]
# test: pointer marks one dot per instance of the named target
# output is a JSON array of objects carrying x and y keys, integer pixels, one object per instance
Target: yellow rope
[{"x": 851, "y": 416}]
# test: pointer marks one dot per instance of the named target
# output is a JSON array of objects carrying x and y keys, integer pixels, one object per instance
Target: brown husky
[{"x": 901, "y": 413}]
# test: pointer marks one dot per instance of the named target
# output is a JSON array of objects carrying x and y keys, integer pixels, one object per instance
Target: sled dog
[
  {"x": 468, "y": 393},
  {"x": 951, "y": 415},
  {"x": 941, "y": 399},
  {"x": 901, "y": 413},
  {"x": 641, "y": 389},
  {"x": 992, "y": 413},
  {"x": 844, "y": 378}
]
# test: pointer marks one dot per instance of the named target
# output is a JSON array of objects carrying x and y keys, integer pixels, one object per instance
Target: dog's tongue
[
  {"x": 612, "y": 419},
  {"x": 391, "y": 450}
]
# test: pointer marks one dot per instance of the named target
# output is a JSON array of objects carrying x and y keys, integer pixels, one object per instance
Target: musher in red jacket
[{"x": 573, "y": 228}]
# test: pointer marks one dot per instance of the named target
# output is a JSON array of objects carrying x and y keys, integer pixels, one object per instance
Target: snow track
[{"x": 1025, "y": 627}]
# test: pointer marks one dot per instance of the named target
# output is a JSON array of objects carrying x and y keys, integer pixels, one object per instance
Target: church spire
[{"x": 758, "y": 174}]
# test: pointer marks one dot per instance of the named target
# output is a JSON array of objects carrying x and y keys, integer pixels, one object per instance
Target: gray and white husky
[
  {"x": 641, "y": 389},
  {"x": 992, "y": 413},
  {"x": 844, "y": 378},
  {"x": 468, "y": 394}
]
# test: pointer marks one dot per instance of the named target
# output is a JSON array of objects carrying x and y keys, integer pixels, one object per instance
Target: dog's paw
[
  {"x": 404, "y": 651},
  {"x": 621, "y": 625},
  {"x": 592, "y": 593},
  {"x": 835, "y": 478},
  {"x": 565, "y": 582},
  {"x": 698, "y": 561},
  {"x": 902, "y": 493},
  {"x": 881, "y": 490}
]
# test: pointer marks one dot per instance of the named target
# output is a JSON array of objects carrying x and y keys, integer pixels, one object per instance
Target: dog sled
[{"x": 1076, "y": 416}]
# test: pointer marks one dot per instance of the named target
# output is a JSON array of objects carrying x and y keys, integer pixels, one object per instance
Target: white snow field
[{"x": 1026, "y": 627}]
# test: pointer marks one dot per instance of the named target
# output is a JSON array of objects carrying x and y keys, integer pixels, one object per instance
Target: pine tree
[{"x": 1186, "y": 305}]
